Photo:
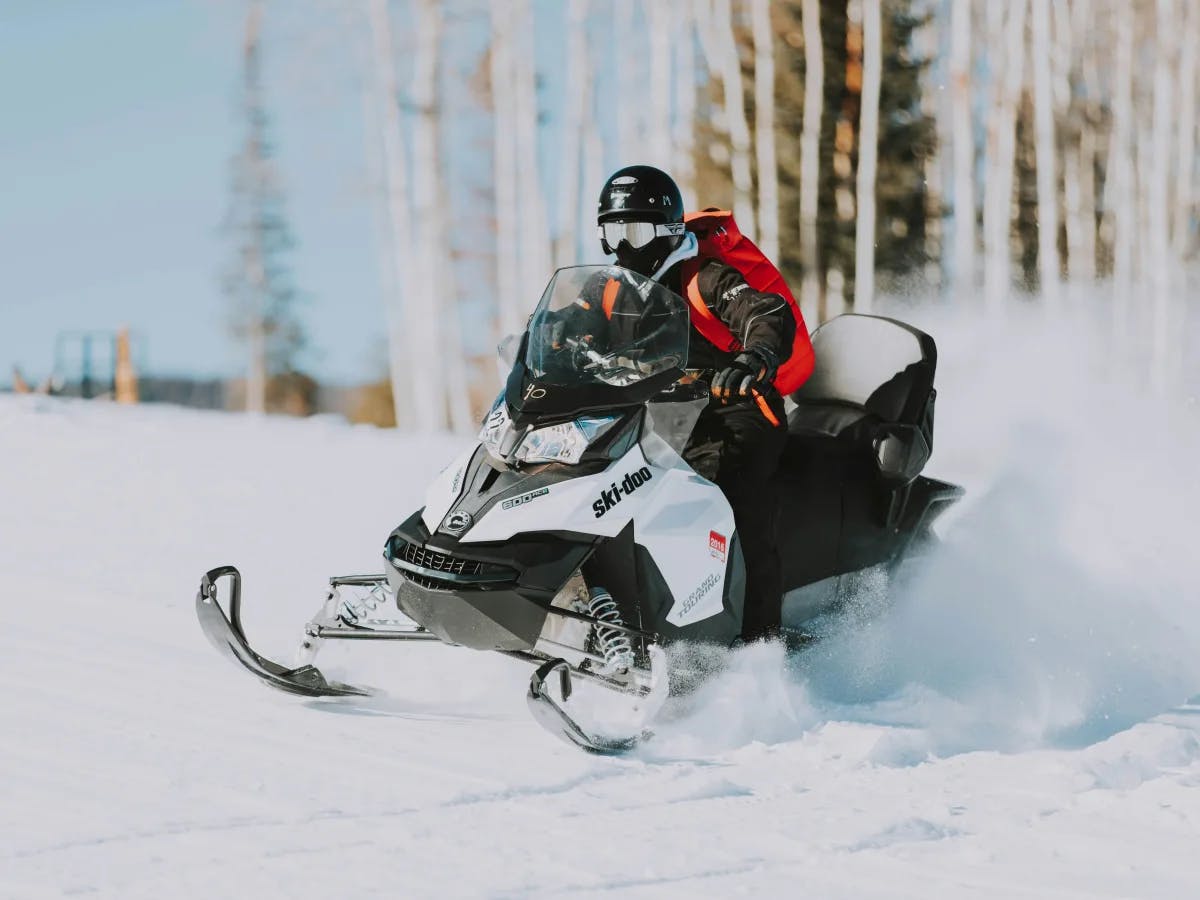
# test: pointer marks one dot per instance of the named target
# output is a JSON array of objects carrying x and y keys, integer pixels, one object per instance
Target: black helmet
[{"x": 646, "y": 196}]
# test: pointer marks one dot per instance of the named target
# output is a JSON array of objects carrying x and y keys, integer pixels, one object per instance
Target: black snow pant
[{"x": 737, "y": 447}]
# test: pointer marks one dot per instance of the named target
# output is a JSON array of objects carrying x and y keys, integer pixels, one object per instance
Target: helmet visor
[{"x": 637, "y": 234}]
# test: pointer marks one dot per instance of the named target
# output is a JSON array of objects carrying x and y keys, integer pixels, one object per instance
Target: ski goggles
[{"x": 638, "y": 234}]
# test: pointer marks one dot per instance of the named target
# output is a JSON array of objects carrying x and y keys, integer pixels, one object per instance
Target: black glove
[
  {"x": 553, "y": 334},
  {"x": 754, "y": 367}
]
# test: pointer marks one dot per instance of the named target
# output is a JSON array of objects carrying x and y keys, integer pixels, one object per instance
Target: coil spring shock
[
  {"x": 353, "y": 609},
  {"x": 615, "y": 646}
]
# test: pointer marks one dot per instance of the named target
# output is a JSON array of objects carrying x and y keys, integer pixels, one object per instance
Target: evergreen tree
[
  {"x": 906, "y": 141},
  {"x": 259, "y": 278}
]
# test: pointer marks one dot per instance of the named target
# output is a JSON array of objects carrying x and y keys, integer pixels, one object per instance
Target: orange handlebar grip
[{"x": 764, "y": 407}]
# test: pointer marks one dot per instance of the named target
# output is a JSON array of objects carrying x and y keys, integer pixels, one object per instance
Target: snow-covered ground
[{"x": 1016, "y": 725}]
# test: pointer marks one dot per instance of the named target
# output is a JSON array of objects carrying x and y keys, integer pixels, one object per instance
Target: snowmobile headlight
[{"x": 565, "y": 442}]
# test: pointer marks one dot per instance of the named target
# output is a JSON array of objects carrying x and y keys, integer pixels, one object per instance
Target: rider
[{"x": 739, "y": 437}]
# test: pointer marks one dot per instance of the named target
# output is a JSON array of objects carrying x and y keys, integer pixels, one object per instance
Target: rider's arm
[{"x": 757, "y": 319}]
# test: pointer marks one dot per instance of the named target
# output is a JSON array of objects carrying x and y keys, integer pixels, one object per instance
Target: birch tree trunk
[
  {"x": 574, "y": 110},
  {"x": 764, "y": 129},
  {"x": 1185, "y": 160},
  {"x": 868, "y": 152},
  {"x": 449, "y": 389},
  {"x": 1159, "y": 236},
  {"x": 629, "y": 63},
  {"x": 534, "y": 235},
  {"x": 402, "y": 321},
  {"x": 458, "y": 380},
  {"x": 385, "y": 258},
  {"x": 504, "y": 167},
  {"x": 1185, "y": 189},
  {"x": 810, "y": 156},
  {"x": 684, "y": 130},
  {"x": 1002, "y": 137},
  {"x": 1123, "y": 206},
  {"x": 1066, "y": 52},
  {"x": 431, "y": 267},
  {"x": 1074, "y": 220},
  {"x": 593, "y": 166},
  {"x": 1046, "y": 153},
  {"x": 660, "y": 35},
  {"x": 735, "y": 115},
  {"x": 706, "y": 32},
  {"x": 1086, "y": 263},
  {"x": 963, "y": 147},
  {"x": 534, "y": 252},
  {"x": 1079, "y": 158},
  {"x": 935, "y": 105}
]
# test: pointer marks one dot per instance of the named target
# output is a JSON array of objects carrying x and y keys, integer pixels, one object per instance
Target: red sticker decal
[{"x": 716, "y": 545}]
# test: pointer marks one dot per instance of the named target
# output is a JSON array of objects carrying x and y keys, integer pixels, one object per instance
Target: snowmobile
[{"x": 574, "y": 537}]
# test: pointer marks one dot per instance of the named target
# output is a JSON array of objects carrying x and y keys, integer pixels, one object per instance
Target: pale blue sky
[
  {"x": 118, "y": 128},
  {"x": 119, "y": 122}
]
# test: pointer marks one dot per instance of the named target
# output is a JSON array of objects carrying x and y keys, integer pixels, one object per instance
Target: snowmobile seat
[
  {"x": 871, "y": 392},
  {"x": 859, "y": 435}
]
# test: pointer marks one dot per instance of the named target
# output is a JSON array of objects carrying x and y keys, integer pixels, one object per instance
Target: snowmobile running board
[{"x": 228, "y": 636}]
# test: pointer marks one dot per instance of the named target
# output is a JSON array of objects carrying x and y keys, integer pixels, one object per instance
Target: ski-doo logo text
[
  {"x": 629, "y": 484},
  {"x": 699, "y": 593}
]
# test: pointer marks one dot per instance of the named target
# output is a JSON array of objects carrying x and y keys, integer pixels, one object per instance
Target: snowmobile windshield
[{"x": 605, "y": 325}]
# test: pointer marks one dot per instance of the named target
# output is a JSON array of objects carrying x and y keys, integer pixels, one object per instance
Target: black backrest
[{"x": 878, "y": 364}]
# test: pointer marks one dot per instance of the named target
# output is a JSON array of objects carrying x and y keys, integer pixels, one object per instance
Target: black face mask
[{"x": 645, "y": 260}]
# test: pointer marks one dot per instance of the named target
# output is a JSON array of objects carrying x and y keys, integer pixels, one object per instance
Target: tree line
[{"x": 984, "y": 153}]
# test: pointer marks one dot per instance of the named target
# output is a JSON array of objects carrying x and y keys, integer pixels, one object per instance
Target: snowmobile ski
[
  {"x": 227, "y": 635},
  {"x": 551, "y": 716}
]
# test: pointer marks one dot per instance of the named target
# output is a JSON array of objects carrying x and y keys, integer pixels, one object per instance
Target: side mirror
[
  {"x": 509, "y": 349},
  {"x": 901, "y": 452}
]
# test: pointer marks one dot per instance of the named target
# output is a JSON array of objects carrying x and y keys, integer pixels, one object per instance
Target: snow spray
[{"x": 1061, "y": 607}]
